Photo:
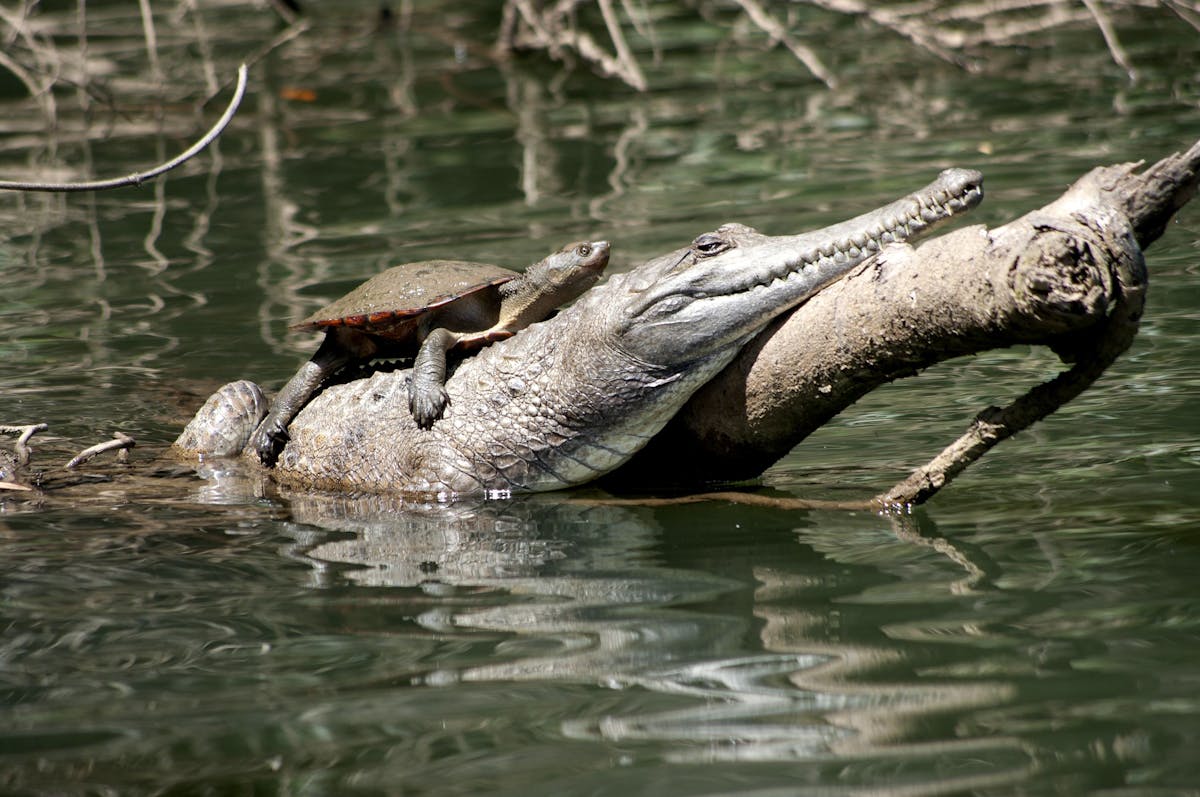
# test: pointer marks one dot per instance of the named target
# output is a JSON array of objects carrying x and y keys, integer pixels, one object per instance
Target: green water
[{"x": 1033, "y": 630}]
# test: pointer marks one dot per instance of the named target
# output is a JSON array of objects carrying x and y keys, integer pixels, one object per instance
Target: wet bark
[{"x": 1069, "y": 275}]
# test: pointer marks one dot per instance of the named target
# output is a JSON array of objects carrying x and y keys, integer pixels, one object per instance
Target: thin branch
[
  {"x": 1110, "y": 39},
  {"x": 929, "y": 38},
  {"x": 23, "y": 75},
  {"x": 282, "y": 38},
  {"x": 27, "y": 431},
  {"x": 138, "y": 178},
  {"x": 552, "y": 30},
  {"x": 288, "y": 10},
  {"x": 775, "y": 29},
  {"x": 993, "y": 426},
  {"x": 588, "y": 49},
  {"x": 624, "y": 55},
  {"x": 121, "y": 442},
  {"x": 535, "y": 23},
  {"x": 151, "y": 37},
  {"x": 204, "y": 45},
  {"x": 1188, "y": 15},
  {"x": 640, "y": 19}
]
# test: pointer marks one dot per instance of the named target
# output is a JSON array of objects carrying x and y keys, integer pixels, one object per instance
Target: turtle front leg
[
  {"x": 271, "y": 435},
  {"x": 427, "y": 397}
]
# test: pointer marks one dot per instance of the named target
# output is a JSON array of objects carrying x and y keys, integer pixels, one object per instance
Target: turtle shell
[{"x": 391, "y": 303}]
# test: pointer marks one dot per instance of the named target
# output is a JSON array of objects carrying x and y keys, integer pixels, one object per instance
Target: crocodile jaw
[{"x": 684, "y": 306}]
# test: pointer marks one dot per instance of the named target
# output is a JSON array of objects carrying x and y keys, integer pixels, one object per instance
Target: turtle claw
[
  {"x": 427, "y": 405},
  {"x": 268, "y": 441}
]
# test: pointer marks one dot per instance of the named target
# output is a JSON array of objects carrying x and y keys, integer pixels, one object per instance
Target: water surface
[{"x": 1032, "y": 630}]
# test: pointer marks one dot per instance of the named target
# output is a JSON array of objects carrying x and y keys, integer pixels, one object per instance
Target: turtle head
[
  {"x": 571, "y": 270},
  {"x": 554, "y": 281}
]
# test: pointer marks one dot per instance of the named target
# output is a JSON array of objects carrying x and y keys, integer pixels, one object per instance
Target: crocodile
[{"x": 570, "y": 399}]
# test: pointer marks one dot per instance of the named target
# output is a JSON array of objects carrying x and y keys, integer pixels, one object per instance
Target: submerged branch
[
  {"x": 17, "y": 475},
  {"x": 120, "y": 442},
  {"x": 25, "y": 432},
  {"x": 137, "y": 178}
]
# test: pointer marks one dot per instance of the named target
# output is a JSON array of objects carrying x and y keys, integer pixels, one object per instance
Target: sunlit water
[{"x": 1033, "y": 630}]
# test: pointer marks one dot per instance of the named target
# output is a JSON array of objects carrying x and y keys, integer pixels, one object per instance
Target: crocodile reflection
[{"x": 582, "y": 594}]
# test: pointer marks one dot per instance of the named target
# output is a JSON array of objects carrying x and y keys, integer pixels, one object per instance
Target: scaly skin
[{"x": 572, "y": 398}]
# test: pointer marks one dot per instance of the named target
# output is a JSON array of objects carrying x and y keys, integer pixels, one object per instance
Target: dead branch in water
[
  {"x": 949, "y": 31},
  {"x": 16, "y": 474},
  {"x": 137, "y": 178},
  {"x": 554, "y": 30},
  {"x": 121, "y": 442},
  {"x": 25, "y": 432}
]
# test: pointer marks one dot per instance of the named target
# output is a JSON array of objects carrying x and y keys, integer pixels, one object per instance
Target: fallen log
[{"x": 1070, "y": 276}]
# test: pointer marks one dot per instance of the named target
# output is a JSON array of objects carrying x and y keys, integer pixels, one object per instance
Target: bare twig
[
  {"x": 994, "y": 425},
  {"x": 17, "y": 23},
  {"x": 775, "y": 29},
  {"x": 929, "y": 38},
  {"x": 25, "y": 432},
  {"x": 624, "y": 55},
  {"x": 1189, "y": 15},
  {"x": 283, "y": 37},
  {"x": 950, "y": 32},
  {"x": 587, "y": 47},
  {"x": 288, "y": 10},
  {"x": 554, "y": 30},
  {"x": 151, "y": 37},
  {"x": 640, "y": 18},
  {"x": 204, "y": 45},
  {"x": 138, "y": 178},
  {"x": 121, "y": 442},
  {"x": 1110, "y": 39},
  {"x": 538, "y": 25},
  {"x": 23, "y": 75}
]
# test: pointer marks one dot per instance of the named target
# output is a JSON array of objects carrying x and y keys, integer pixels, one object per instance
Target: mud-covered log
[{"x": 1052, "y": 277}]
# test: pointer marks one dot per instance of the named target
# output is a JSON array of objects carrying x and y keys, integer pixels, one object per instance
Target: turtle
[{"x": 424, "y": 310}]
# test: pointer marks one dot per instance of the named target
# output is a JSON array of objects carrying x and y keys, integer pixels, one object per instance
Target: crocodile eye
[
  {"x": 583, "y": 250},
  {"x": 710, "y": 244}
]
